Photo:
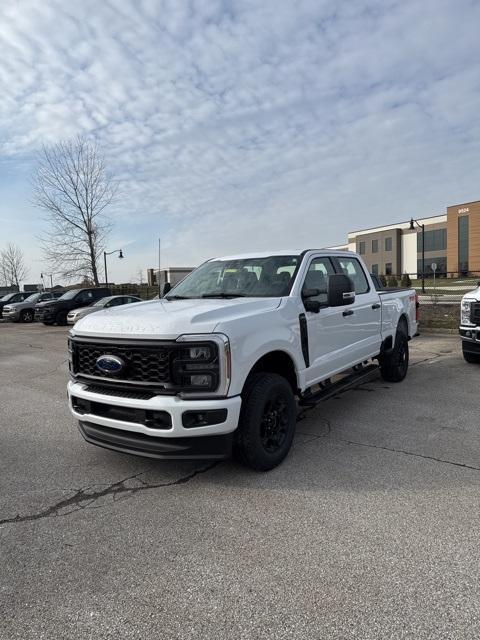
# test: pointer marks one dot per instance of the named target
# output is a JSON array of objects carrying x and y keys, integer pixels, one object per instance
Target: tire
[
  {"x": 472, "y": 358},
  {"x": 267, "y": 422},
  {"x": 26, "y": 315},
  {"x": 394, "y": 364},
  {"x": 61, "y": 318}
]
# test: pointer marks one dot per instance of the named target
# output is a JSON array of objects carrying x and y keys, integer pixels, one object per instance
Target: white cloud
[{"x": 248, "y": 124}]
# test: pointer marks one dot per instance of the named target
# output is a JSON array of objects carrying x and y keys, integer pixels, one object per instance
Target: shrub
[
  {"x": 383, "y": 280},
  {"x": 405, "y": 281},
  {"x": 392, "y": 282}
]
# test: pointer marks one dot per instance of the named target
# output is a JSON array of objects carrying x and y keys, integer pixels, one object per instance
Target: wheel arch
[{"x": 279, "y": 362}]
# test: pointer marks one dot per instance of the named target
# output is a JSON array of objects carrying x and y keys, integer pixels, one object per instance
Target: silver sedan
[{"x": 103, "y": 303}]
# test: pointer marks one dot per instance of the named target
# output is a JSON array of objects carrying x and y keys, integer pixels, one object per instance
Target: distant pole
[
  {"x": 159, "y": 276},
  {"x": 105, "y": 265},
  {"x": 423, "y": 258}
]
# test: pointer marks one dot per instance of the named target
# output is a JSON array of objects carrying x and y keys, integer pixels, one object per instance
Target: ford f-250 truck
[
  {"x": 220, "y": 363},
  {"x": 470, "y": 325}
]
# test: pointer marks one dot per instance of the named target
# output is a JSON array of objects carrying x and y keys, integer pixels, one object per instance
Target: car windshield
[
  {"x": 69, "y": 294},
  {"x": 247, "y": 277},
  {"x": 33, "y": 298},
  {"x": 7, "y": 297}
]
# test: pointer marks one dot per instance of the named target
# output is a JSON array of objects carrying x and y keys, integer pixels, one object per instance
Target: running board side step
[{"x": 328, "y": 390}]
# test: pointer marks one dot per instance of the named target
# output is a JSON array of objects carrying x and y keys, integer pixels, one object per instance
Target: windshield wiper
[
  {"x": 177, "y": 298},
  {"x": 223, "y": 294}
]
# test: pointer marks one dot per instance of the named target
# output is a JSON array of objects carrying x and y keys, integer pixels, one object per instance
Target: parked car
[
  {"x": 25, "y": 311},
  {"x": 11, "y": 298},
  {"x": 103, "y": 303},
  {"x": 470, "y": 325},
  {"x": 221, "y": 361},
  {"x": 56, "y": 311}
]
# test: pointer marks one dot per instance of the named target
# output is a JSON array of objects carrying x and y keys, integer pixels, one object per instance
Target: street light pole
[
  {"x": 422, "y": 227},
  {"x": 109, "y": 253}
]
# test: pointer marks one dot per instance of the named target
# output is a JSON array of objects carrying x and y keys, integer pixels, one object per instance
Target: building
[
  {"x": 452, "y": 243},
  {"x": 173, "y": 275}
]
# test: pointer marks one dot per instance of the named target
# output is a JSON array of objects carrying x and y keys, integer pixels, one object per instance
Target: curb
[{"x": 438, "y": 330}]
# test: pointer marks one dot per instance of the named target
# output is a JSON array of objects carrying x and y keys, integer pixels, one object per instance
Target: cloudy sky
[{"x": 241, "y": 125}]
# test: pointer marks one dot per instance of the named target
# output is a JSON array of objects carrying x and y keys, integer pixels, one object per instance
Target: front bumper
[
  {"x": 470, "y": 338},
  {"x": 44, "y": 316},
  {"x": 11, "y": 314},
  {"x": 132, "y": 435}
]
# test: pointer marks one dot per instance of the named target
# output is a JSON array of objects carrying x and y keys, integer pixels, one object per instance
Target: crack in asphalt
[
  {"x": 84, "y": 498},
  {"x": 407, "y": 453}
]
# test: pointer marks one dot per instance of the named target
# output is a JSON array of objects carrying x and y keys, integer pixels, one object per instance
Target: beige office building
[{"x": 452, "y": 243}]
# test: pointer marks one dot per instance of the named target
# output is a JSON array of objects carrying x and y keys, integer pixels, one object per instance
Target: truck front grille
[
  {"x": 143, "y": 363},
  {"x": 475, "y": 313}
]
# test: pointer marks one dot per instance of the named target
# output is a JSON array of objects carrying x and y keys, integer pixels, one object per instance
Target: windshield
[
  {"x": 33, "y": 297},
  {"x": 102, "y": 302},
  {"x": 69, "y": 295},
  {"x": 248, "y": 277},
  {"x": 7, "y": 297}
]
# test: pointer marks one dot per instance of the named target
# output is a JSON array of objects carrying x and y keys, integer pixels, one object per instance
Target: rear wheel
[
  {"x": 26, "y": 315},
  {"x": 394, "y": 363},
  {"x": 267, "y": 422},
  {"x": 472, "y": 358}
]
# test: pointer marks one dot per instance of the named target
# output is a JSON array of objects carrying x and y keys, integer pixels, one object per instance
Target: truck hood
[{"x": 160, "y": 319}]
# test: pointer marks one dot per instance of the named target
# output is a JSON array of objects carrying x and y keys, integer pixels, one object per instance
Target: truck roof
[{"x": 282, "y": 252}]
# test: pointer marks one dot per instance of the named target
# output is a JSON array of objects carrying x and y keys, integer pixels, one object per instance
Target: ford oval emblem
[{"x": 110, "y": 364}]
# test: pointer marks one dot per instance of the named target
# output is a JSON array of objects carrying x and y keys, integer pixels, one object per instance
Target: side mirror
[
  {"x": 312, "y": 305},
  {"x": 310, "y": 293},
  {"x": 166, "y": 288},
  {"x": 341, "y": 290}
]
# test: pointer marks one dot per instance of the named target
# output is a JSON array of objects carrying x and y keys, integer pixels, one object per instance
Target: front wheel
[
  {"x": 61, "y": 318},
  {"x": 394, "y": 364},
  {"x": 267, "y": 422},
  {"x": 472, "y": 358},
  {"x": 26, "y": 315}
]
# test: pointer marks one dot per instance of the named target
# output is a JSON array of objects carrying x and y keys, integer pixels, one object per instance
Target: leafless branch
[{"x": 74, "y": 188}]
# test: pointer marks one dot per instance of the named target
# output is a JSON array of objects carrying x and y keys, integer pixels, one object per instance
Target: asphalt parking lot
[{"x": 368, "y": 530}]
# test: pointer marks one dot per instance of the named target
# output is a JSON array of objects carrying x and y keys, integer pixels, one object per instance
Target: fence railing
[{"x": 446, "y": 288}]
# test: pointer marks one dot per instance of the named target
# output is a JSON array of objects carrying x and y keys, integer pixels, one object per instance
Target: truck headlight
[
  {"x": 203, "y": 367},
  {"x": 465, "y": 309}
]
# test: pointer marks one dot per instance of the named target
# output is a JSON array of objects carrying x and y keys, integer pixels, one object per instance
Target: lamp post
[
  {"x": 422, "y": 227},
  {"x": 109, "y": 253},
  {"x": 51, "y": 279}
]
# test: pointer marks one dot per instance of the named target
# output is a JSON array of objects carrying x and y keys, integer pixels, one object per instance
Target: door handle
[
  {"x": 347, "y": 313},
  {"x": 376, "y": 306}
]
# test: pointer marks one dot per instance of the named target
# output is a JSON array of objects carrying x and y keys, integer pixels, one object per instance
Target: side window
[
  {"x": 317, "y": 277},
  {"x": 352, "y": 268},
  {"x": 115, "y": 302},
  {"x": 85, "y": 296}
]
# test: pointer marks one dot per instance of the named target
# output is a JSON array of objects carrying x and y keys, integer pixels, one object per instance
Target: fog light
[
  {"x": 192, "y": 419},
  {"x": 468, "y": 334}
]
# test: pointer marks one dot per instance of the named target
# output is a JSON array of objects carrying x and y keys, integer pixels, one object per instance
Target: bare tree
[
  {"x": 72, "y": 185},
  {"x": 13, "y": 269}
]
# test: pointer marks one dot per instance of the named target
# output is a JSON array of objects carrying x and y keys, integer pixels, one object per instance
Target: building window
[
  {"x": 463, "y": 245},
  {"x": 361, "y": 248},
  {"x": 435, "y": 240},
  {"x": 388, "y": 244},
  {"x": 375, "y": 269},
  {"x": 374, "y": 246},
  {"x": 388, "y": 268},
  {"x": 440, "y": 261}
]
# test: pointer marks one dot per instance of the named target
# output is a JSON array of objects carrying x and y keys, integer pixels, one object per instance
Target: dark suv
[
  {"x": 10, "y": 298},
  {"x": 55, "y": 311}
]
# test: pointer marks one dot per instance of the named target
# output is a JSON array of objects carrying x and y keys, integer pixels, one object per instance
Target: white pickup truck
[
  {"x": 470, "y": 325},
  {"x": 219, "y": 364}
]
